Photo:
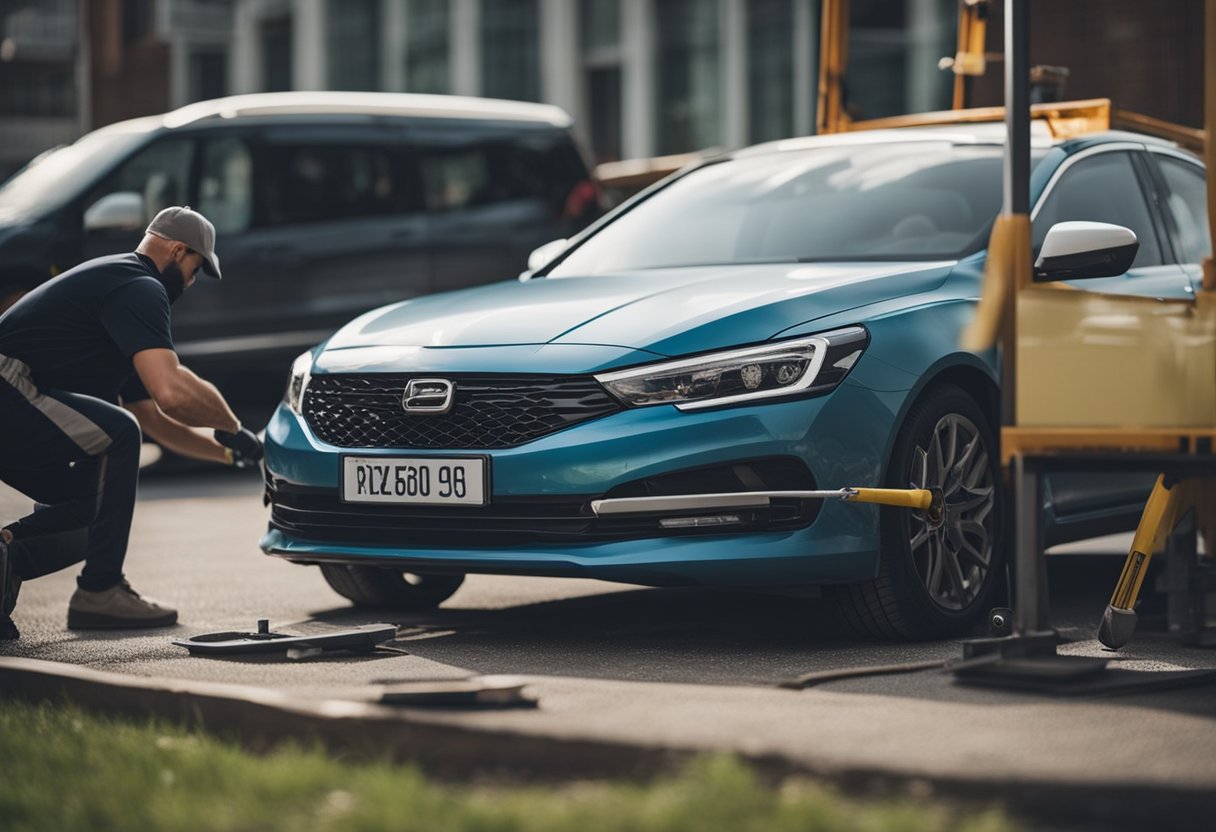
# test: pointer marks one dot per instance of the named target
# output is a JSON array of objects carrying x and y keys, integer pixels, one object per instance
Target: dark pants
[{"x": 78, "y": 457}]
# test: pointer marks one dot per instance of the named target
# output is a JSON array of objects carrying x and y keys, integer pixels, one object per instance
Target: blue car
[{"x": 783, "y": 319}]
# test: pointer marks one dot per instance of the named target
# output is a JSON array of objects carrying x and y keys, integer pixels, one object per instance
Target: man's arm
[
  {"x": 180, "y": 394},
  {"x": 195, "y": 443}
]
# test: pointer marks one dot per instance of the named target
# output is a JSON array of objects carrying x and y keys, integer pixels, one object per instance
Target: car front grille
[{"x": 365, "y": 411}]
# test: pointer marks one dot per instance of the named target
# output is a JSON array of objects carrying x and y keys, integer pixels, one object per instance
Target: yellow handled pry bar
[
  {"x": 921, "y": 499},
  {"x": 1168, "y": 502}
]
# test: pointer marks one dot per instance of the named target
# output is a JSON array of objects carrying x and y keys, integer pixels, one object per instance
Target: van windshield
[
  {"x": 59, "y": 175},
  {"x": 915, "y": 200}
]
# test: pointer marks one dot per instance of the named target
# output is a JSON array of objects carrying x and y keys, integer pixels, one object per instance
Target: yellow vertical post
[
  {"x": 833, "y": 53},
  {"x": 970, "y": 59},
  {"x": 1209, "y": 144}
]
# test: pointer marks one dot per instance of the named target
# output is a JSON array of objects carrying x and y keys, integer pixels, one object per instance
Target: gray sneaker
[
  {"x": 115, "y": 608},
  {"x": 10, "y": 585}
]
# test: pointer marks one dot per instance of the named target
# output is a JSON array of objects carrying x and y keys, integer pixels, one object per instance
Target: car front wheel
[
  {"x": 937, "y": 575},
  {"x": 373, "y": 586}
]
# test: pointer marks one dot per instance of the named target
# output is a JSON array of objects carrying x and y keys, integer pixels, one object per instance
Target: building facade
[{"x": 640, "y": 77}]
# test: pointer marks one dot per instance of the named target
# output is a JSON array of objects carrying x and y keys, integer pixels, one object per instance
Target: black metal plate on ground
[
  {"x": 1050, "y": 676},
  {"x": 357, "y": 639},
  {"x": 472, "y": 692}
]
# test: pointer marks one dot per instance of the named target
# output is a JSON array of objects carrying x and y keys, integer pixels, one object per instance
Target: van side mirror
[
  {"x": 119, "y": 211},
  {"x": 543, "y": 256},
  {"x": 1077, "y": 250}
]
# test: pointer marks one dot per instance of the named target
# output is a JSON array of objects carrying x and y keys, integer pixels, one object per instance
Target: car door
[
  {"x": 159, "y": 173},
  {"x": 335, "y": 229},
  {"x": 1114, "y": 186}
]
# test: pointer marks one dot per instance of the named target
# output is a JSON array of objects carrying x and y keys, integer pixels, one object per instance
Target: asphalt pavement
[{"x": 688, "y": 670}]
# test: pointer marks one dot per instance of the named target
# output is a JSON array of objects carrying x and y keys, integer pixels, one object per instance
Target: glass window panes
[
  {"x": 461, "y": 169},
  {"x": 688, "y": 75},
  {"x": 160, "y": 174},
  {"x": 1102, "y": 188},
  {"x": 893, "y": 50},
  {"x": 427, "y": 45},
  {"x": 770, "y": 49},
  {"x": 275, "y": 33},
  {"x": 1187, "y": 201},
  {"x": 601, "y": 24},
  {"x": 510, "y": 49},
  {"x": 353, "y": 37},
  {"x": 225, "y": 187},
  {"x": 309, "y": 183}
]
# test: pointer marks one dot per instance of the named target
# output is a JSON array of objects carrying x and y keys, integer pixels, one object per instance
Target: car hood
[{"x": 664, "y": 311}]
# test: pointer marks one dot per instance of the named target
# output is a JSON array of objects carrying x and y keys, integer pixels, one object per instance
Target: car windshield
[
  {"x": 923, "y": 200},
  {"x": 61, "y": 174}
]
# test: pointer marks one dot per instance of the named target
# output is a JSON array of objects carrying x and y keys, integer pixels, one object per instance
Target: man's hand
[{"x": 244, "y": 444}]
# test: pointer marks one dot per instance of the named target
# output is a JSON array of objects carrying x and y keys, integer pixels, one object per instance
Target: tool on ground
[
  {"x": 472, "y": 692},
  {"x": 363, "y": 639}
]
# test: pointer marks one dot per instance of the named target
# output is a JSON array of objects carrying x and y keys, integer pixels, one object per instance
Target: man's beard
[{"x": 173, "y": 280}]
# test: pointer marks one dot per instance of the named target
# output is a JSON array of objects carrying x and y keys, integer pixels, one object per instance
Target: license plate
[{"x": 414, "y": 480}]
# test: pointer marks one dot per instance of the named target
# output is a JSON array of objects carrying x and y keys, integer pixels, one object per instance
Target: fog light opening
[{"x": 701, "y": 522}]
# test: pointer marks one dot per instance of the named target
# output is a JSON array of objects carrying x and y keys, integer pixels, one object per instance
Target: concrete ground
[{"x": 664, "y": 669}]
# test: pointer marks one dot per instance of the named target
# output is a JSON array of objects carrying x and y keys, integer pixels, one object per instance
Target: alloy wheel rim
[{"x": 953, "y": 554}]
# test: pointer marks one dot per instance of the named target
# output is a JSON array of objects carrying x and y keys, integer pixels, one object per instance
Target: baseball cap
[{"x": 184, "y": 224}]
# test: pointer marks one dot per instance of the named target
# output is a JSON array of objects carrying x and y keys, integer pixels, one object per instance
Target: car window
[
  {"x": 923, "y": 200},
  {"x": 1101, "y": 188},
  {"x": 309, "y": 183},
  {"x": 1187, "y": 201},
  {"x": 466, "y": 168},
  {"x": 58, "y": 175},
  {"x": 160, "y": 173},
  {"x": 225, "y": 187}
]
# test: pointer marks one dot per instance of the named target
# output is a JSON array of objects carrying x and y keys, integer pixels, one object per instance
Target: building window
[
  {"x": 899, "y": 40},
  {"x": 208, "y": 74},
  {"x": 276, "y": 53},
  {"x": 688, "y": 67},
  {"x": 770, "y": 73},
  {"x": 138, "y": 20},
  {"x": 353, "y": 36},
  {"x": 510, "y": 49},
  {"x": 427, "y": 46},
  {"x": 601, "y": 50}
]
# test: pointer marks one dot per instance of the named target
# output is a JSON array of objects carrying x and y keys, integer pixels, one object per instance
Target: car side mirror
[
  {"x": 1078, "y": 250},
  {"x": 119, "y": 211},
  {"x": 543, "y": 256}
]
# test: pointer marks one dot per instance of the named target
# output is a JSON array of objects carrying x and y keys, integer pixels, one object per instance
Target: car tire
[
  {"x": 932, "y": 579},
  {"x": 372, "y": 586}
]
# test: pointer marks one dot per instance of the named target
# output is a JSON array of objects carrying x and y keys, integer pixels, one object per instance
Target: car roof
[
  {"x": 987, "y": 133},
  {"x": 261, "y": 105}
]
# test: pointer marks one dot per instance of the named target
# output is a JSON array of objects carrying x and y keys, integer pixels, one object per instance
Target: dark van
[{"x": 326, "y": 204}]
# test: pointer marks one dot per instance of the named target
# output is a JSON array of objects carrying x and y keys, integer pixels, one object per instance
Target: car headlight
[
  {"x": 799, "y": 366},
  {"x": 298, "y": 382}
]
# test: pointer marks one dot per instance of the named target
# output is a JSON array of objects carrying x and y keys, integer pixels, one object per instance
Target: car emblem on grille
[{"x": 431, "y": 396}]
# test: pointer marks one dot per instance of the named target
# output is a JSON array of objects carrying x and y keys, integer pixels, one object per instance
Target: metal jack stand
[
  {"x": 1028, "y": 656},
  {"x": 1027, "y": 659}
]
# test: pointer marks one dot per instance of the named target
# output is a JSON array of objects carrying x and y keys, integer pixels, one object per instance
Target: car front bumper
[{"x": 539, "y": 520}]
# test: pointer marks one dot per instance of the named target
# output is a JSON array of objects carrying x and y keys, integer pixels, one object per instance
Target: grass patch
[{"x": 62, "y": 769}]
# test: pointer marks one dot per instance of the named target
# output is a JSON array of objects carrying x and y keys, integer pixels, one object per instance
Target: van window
[
  {"x": 225, "y": 187},
  {"x": 160, "y": 173},
  {"x": 463, "y": 170},
  {"x": 309, "y": 183}
]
